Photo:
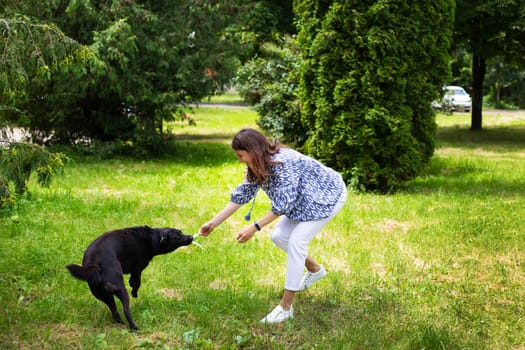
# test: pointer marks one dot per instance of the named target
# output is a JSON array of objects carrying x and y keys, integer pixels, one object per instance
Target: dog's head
[{"x": 170, "y": 239}]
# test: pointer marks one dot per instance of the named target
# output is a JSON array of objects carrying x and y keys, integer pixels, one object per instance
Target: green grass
[
  {"x": 229, "y": 98},
  {"x": 213, "y": 124},
  {"x": 438, "y": 265}
]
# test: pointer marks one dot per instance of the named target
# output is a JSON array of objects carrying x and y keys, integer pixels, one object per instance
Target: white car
[{"x": 455, "y": 99}]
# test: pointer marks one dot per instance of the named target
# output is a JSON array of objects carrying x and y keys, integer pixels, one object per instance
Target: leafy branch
[
  {"x": 28, "y": 50},
  {"x": 18, "y": 161}
]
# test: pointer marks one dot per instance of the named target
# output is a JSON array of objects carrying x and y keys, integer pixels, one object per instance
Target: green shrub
[
  {"x": 270, "y": 84},
  {"x": 370, "y": 71}
]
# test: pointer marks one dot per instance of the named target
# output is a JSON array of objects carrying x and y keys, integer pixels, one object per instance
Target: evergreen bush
[{"x": 369, "y": 73}]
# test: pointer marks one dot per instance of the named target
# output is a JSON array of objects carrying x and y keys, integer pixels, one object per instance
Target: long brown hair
[{"x": 261, "y": 151}]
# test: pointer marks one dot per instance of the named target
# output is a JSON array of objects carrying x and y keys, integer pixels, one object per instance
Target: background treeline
[
  {"x": 108, "y": 70},
  {"x": 349, "y": 82}
]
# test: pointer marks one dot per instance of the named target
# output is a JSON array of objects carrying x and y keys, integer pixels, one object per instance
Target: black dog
[{"x": 119, "y": 252}]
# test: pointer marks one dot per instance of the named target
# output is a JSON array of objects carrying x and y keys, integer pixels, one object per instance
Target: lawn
[{"x": 438, "y": 265}]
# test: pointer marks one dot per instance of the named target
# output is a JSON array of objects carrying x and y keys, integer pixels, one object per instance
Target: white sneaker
[
  {"x": 310, "y": 278},
  {"x": 278, "y": 315}
]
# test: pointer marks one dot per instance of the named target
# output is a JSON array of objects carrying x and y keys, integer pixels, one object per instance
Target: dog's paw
[
  {"x": 134, "y": 293},
  {"x": 117, "y": 318}
]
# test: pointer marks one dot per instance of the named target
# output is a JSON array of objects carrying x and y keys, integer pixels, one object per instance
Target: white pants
[{"x": 293, "y": 237}]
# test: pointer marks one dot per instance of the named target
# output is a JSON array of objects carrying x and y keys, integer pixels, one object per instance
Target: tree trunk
[{"x": 478, "y": 75}]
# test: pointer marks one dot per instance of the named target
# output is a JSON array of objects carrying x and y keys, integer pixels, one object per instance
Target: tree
[
  {"x": 28, "y": 50},
  {"x": 134, "y": 62},
  {"x": 505, "y": 85},
  {"x": 489, "y": 29},
  {"x": 369, "y": 73}
]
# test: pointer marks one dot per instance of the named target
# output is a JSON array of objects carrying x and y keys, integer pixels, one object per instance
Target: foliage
[
  {"x": 136, "y": 62},
  {"x": 488, "y": 30},
  {"x": 269, "y": 82},
  {"x": 505, "y": 85},
  {"x": 370, "y": 72},
  {"x": 262, "y": 22},
  {"x": 461, "y": 69},
  {"x": 18, "y": 161},
  {"x": 28, "y": 50}
]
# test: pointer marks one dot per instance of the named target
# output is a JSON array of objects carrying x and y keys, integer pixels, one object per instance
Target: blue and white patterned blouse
[{"x": 302, "y": 189}]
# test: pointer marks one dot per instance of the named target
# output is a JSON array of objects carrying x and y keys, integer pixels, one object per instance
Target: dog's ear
[{"x": 163, "y": 238}]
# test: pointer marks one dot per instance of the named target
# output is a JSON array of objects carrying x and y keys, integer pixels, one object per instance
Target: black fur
[{"x": 120, "y": 252}]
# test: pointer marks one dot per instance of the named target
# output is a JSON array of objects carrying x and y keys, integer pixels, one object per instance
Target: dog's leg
[
  {"x": 107, "y": 298},
  {"x": 118, "y": 288},
  {"x": 122, "y": 294},
  {"x": 134, "y": 282}
]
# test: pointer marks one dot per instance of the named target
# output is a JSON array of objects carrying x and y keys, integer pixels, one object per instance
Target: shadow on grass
[
  {"x": 468, "y": 175},
  {"x": 223, "y": 138},
  {"x": 456, "y": 180},
  {"x": 492, "y": 138},
  {"x": 209, "y": 151},
  {"x": 203, "y": 153}
]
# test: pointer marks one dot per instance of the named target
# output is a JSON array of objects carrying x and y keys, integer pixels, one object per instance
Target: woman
[{"x": 304, "y": 193}]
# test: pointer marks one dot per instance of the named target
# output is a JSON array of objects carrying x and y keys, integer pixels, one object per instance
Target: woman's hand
[
  {"x": 246, "y": 234},
  {"x": 225, "y": 213},
  {"x": 248, "y": 231},
  {"x": 206, "y": 228}
]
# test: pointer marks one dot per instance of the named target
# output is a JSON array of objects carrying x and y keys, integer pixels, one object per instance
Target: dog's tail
[{"x": 90, "y": 273}]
